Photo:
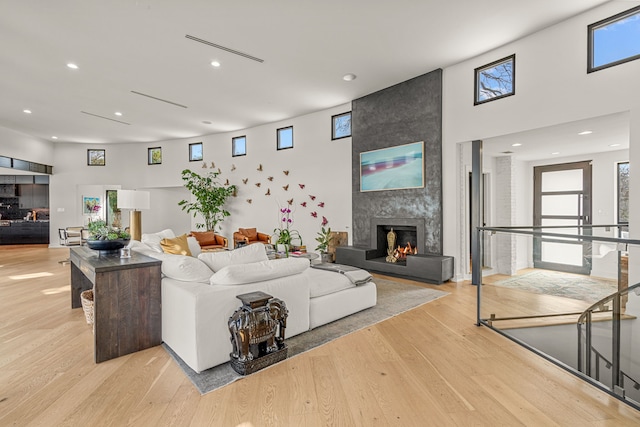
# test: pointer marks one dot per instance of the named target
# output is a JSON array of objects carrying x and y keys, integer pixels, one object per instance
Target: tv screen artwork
[{"x": 393, "y": 168}]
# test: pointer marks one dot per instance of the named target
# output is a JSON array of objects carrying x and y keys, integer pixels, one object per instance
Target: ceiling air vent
[
  {"x": 159, "y": 99},
  {"x": 103, "y": 117},
  {"x": 226, "y": 49}
]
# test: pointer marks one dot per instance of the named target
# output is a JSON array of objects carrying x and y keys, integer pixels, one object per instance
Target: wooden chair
[{"x": 247, "y": 236}]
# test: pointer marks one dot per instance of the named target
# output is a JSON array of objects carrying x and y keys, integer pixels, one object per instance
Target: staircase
[{"x": 609, "y": 354}]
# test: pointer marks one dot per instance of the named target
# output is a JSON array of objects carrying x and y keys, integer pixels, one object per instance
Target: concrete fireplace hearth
[{"x": 422, "y": 266}]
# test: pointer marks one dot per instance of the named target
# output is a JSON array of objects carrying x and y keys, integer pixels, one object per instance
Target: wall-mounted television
[{"x": 393, "y": 168}]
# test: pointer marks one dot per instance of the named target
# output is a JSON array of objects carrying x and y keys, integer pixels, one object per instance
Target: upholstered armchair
[
  {"x": 209, "y": 240},
  {"x": 247, "y": 236}
]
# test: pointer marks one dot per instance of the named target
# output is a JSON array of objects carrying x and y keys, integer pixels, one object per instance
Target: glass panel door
[{"x": 562, "y": 197}]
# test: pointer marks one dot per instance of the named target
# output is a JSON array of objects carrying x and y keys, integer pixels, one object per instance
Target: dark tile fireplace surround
[{"x": 422, "y": 266}]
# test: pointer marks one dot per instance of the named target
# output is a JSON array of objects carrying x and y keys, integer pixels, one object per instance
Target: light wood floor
[{"x": 428, "y": 367}]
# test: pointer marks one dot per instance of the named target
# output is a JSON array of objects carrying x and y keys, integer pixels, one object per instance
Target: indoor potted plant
[
  {"x": 105, "y": 238},
  {"x": 210, "y": 197},
  {"x": 284, "y": 235},
  {"x": 324, "y": 239}
]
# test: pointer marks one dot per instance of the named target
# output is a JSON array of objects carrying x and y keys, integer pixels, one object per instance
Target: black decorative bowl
[{"x": 107, "y": 246}]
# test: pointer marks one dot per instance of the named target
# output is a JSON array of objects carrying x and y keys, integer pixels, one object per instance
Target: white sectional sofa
[{"x": 199, "y": 295}]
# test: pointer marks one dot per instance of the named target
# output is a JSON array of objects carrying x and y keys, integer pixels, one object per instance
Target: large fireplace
[
  {"x": 421, "y": 266},
  {"x": 408, "y": 230}
]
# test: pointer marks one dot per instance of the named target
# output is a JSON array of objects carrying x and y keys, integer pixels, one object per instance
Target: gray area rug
[
  {"x": 393, "y": 298},
  {"x": 575, "y": 286}
]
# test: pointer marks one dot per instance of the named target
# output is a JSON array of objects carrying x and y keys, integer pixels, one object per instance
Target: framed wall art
[
  {"x": 154, "y": 155},
  {"x": 392, "y": 168},
  {"x": 96, "y": 157}
]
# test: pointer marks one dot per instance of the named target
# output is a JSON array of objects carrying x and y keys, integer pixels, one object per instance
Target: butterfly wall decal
[
  {"x": 321, "y": 204},
  {"x": 285, "y": 172},
  {"x": 219, "y": 171},
  {"x": 233, "y": 167},
  {"x": 270, "y": 178},
  {"x": 324, "y": 221},
  {"x": 244, "y": 181},
  {"x": 226, "y": 182},
  {"x": 260, "y": 167},
  {"x": 314, "y": 214},
  {"x": 312, "y": 197},
  {"x": 286, "y": 187},
  {"x": 290, "y": 201},
  {"x": 303, "y": 204},
  {"x": 301, "y": 186},
  {"x": 204, "y": 165},
  {"x": 258, "y": 184},
  {"x": 268, "y": 193},
  {"x": 249, "y": 201},
  {"x": 213, "y": 165}
]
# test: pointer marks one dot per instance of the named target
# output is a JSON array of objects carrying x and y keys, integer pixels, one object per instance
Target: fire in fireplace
[{"x": 401, "y": 252}]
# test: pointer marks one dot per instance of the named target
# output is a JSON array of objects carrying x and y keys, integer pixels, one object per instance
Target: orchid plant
[{"x": 284, "y": 234}]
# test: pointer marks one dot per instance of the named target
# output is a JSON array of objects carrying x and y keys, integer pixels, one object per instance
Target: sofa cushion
[
  {"x": 176, "y": 246},
  {"x": 194, "y": 246},
  {"x": 153, "y": 239},
  {"x": 184, "y": 268},
  {"x": 244, "y": 255},
  {"x": 205, "y": 238},
  {"x": 241, "y": 274},
  {"x": 250, "y": 233}
]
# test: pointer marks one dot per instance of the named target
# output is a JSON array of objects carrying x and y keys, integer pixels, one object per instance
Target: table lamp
[{"x": 134, "y": 200}]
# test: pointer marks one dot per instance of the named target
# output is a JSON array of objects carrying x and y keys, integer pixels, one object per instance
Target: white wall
[
  {"x": 24, "y": 147},
  {"x": 552, "y": 87},
  {"x": 321, "y": 165}
]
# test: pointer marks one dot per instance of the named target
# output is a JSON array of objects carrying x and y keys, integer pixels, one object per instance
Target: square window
[
  {"x": 96, "y": 157},
  {"x": 239, "y": 146},
  {"x": 341, "y": 126},
  {"x": 495, "y": 80},
  {"x": 195, "y": 152},
  {"x": 154, "y": 156},
  {"x": 285, "y": 138},
  {"x": 614, "y": 40}
]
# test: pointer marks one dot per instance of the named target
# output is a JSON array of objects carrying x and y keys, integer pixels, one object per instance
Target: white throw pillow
[
  {"x": 153, "y": 239},
  {"x": 185, "y": 268},
  {"x": 241, "y": 274},
  {"x": 194, "y": 246},
  {"x": 244, "y": 255}
]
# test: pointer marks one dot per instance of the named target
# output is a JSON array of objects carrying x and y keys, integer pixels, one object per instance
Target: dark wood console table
[{"x": 127, "y": 300}]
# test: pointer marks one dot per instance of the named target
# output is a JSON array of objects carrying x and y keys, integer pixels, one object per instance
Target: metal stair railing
[{"x": 587, "y": 351}]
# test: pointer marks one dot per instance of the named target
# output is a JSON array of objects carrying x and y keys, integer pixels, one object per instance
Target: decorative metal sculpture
[
  {"x": 258, "y": 332},
  {"x": 391, "y": 246}
]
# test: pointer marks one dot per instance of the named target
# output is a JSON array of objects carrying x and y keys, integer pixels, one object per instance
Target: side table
[{"x": 127, "y": 300}]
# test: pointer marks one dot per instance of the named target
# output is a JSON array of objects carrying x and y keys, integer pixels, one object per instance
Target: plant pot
[
  {"x": 107, "y": 246},
  {"x": 326, "y": 257}
]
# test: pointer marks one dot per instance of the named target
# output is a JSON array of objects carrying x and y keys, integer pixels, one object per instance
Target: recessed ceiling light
[
  {"x": 555, "y": 152},
  {"x": 517, "y": 144},
  {"x": 585, "y": 132},
  {"x": 206, "y": 122},
  {"x": 118, "y": 113},
  {"x": 26, "y": 111},
  {"x": 54, "y": 137},
  {"x": 349, "y": 77},
  {"x": 215, "y": 64},
  {"x": 614, "y": 145},
  {"x": 72, "y": 66}
]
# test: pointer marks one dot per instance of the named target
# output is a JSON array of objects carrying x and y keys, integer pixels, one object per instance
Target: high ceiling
[{"x": 127, "y": 46}]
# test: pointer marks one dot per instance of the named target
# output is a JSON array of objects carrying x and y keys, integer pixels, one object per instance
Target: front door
[{"x": 562, "y": 197}]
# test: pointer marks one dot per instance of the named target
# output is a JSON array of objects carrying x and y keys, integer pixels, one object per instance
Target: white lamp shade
[{"x": 132, "y": 199}]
